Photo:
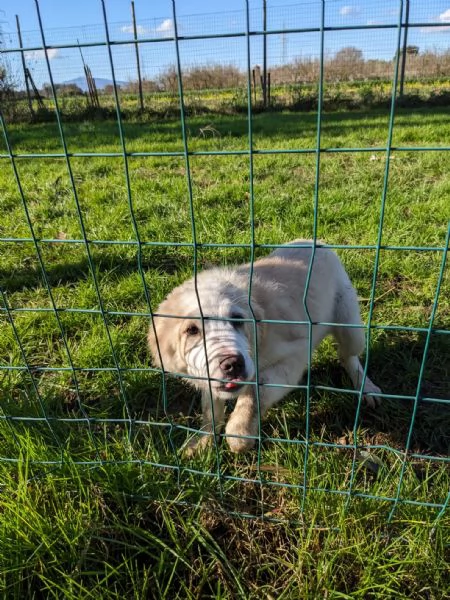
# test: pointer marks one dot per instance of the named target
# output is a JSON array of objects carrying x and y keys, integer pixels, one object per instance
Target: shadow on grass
[
  {"x": 334, "y": 124},
  {"x": 121, "y": 260},
  {"x": 395, "y": 367},
  {"x": 61, "y": 272},
  {"x": 45, "y": 137}
]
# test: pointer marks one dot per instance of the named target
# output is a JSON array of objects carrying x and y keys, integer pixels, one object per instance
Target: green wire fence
[{"x": 221, "y": 473}]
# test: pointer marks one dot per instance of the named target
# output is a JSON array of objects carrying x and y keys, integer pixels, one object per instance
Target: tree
[
  {"x": 68, "y": 89},
  {"x": 347, "y": 63},
  {"x": 349, "y": 54},
  {"x": 412, "y": 50},
  {"x": 6, "y": 84}
]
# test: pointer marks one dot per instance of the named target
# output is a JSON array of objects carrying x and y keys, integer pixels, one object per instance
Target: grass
[{"x": 95, "y": 500}]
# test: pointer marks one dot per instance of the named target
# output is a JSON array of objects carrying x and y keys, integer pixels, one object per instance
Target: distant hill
[{"x": 99, "y": 82}]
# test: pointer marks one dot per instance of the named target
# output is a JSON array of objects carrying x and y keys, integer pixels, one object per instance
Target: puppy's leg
[
  {"x": 242, "y": 426},
  {"x": 243, "y": 422},
  {"x": 210, "y": 405},
  {"x": 351, "y": 341},
  {"x": 354, "y": 368}
]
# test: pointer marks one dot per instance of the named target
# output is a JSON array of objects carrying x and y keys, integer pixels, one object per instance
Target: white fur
[{"x": 277, "y": 293}]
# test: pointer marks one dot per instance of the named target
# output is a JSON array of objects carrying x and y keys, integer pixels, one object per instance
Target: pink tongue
[{"x": 231, "y": 385}]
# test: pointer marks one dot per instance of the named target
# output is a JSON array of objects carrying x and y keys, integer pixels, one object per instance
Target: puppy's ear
[
  {"x": 162, "y": 339},
  {"x": 260, "y": 315}
]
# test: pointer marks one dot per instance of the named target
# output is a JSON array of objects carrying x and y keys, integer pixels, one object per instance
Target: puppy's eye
[
  {"x": 237, "y": 324},
  {"x": 192, "y": 330}
]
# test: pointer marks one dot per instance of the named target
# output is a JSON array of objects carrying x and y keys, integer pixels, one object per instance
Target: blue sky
[{"x": 66, "y": 21}]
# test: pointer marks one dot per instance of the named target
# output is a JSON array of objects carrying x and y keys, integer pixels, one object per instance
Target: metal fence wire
[{"x": 37, "y": 412}]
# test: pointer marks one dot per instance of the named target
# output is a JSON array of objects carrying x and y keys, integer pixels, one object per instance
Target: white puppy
[{"x": 214, "y": 324}]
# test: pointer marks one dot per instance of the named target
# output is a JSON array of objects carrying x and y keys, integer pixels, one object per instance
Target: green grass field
[{"x": 95, "y": 499}]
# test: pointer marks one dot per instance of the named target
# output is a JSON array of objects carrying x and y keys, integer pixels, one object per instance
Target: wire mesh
[{"x": 164, "y": 42}]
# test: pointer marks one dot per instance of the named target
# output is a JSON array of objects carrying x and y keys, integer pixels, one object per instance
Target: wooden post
[
  {"x": 89, "y": 96},
  {"x": 141, "y": 97},
  {"x": 24, "y": 66},
  {"x": 90, "y": 81}
]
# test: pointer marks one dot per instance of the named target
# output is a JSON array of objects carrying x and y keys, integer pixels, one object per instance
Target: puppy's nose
[{"x": 233, "y": 366}]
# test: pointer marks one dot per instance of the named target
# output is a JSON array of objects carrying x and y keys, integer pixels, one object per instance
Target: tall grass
[{"x": 294, "y": 96}]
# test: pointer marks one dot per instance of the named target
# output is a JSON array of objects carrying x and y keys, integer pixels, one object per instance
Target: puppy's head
[{"x": 215, "y": 350}]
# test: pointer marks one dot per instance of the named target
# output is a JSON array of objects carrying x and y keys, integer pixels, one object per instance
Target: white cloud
[
  {"x": 445, "y": 16},
  {"x": 166, "y": 27},
  {"x": 140, "y": 29},
  {"x": 347, "y": 11},
  {"x": 442, "y": 18},
  {"x": 52, "y": 53}
]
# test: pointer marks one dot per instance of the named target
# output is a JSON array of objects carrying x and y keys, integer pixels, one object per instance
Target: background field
[
  {"x": 96, "y": 500},
  {"x": 230, "y": 97}
]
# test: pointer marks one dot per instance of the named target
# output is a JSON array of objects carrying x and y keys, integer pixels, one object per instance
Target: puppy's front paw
[
  {"x": 243, "y": 442},
  {"x": 374, "y": 400},
  {"x": 197, "y": 444},
  {"x": 240, "y": 444}
]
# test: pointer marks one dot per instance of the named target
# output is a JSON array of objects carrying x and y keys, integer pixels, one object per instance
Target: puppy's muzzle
[{"x": 233, "y": 366}]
